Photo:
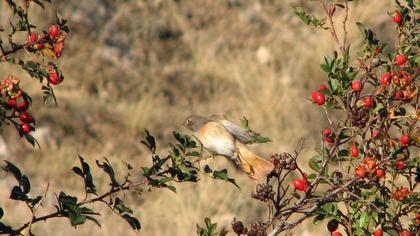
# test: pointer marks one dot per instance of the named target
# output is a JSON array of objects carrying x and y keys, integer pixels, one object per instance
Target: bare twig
[{"x": 33, "y": 210}]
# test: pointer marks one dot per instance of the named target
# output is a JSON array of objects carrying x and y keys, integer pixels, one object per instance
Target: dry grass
[{"x": 131, "y": 65}]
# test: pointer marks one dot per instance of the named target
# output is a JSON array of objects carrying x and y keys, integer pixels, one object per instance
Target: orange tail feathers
[{"x": 255, "y": 166}]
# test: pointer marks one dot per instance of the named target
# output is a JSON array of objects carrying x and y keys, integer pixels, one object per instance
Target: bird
[{"x": 225, "y": 138}]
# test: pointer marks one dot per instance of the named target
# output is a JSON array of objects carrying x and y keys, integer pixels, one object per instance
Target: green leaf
[
  {"x": 134, "y": 223},
  {"x": 325, "y": 67},
  {"x": 314, "y": 162},
  {"x": 364, "y": 220},
  {"x": 120, "y": 207},
  {"x": 76, "y": 219},
  {"x": 222, "y": 174},
  {"x": 300, "y": 12}
]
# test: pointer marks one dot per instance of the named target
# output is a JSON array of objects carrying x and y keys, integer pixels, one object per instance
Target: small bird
[{"x": 222, "y": 137}]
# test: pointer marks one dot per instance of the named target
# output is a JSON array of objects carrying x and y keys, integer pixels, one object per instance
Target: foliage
[
  {"x": 42, "y": 49},
  {"x": 180, "y": 165},
  {"x": 366, "y": 173}
]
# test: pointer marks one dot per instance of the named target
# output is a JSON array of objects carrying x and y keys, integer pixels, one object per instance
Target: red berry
[
  {"x": 386, "y": 79},
  {"x": 12, "y": 103},
  {"x": 398, "y": 95},
  {"x": 380, "y": 173},
  {"x": 54, "y": 30},
  {"x": 332, "y": 225},
  {"x": 25, "y": 117},
  {"x": 40, "y": 45},
  {"x": 327, "y": 131},
  {"x": 354, "y": 150},
  {"x": 55, "y": 78},
  {"x": 405, "y": 233},
  {"x": 375, "y": 133},
  {"x": 23, "y": 105},
  {"x": 319, "y": 98},
  {"x": 26, "y": 128},
  {"x": 33, "y": 37},
  {"x": 322, "y": 87},
  {"x": 400, "y": 165},
  {"x": 378, "y": 232},
  {"x": 301, "y": 184},
  {"x": 336, "y": 233},
  {"x": 313, "y": 95},
  {"x": 329, "y": 140},
  {"x": 397, "y": 18},
  {"x": 357, "y": 85},
  {"x": 368, "y": 101},
  {"x": 401, "y": 59},
  {"x": 405, "y": 139},
  {"x": 360, "y": 171},
  {"x": 378, "y": 50}
]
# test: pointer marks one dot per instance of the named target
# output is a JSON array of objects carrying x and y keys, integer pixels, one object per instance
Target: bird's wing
[{"x": 237, "y": 131}]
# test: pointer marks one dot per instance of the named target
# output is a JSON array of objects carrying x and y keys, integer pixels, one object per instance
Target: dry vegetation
[{"x": 131, "y": 65}]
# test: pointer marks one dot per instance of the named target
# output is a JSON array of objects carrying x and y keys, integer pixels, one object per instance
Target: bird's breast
[{"x": 217, "y": 139}]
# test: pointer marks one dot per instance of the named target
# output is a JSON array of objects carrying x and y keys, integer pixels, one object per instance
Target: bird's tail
[{"x": 255, "y": 166}]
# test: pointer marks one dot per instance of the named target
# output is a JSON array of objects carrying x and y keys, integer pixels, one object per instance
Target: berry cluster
[
  {"x": 18, "y": 103},
  {"x": 264, "y": 192},
  {"x": 401, "y": 193},
  {"x": 238, "y": 227},
  {"x": 283, "y": 161},
  {"x": 51, "y": 42}
]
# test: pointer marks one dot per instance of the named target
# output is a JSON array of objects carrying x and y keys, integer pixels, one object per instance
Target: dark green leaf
[
  {"x": 149, "y": 142},
  {"x": 26, "y": 185},
  {"x": 5, "y": 229},
  {"x": 134, "y": 223},
  {"x": 14, "y": 170},
  {"x": 318, "y": 219},
  {"x": 181, "y": 138},
  {"x": 18, "y": 194},
  {"x": 120, "y": 207},
  {"x": 78, "y": 171},
  {"x": 107, "y": 168},
  {"x": 207, "y": 169},
  {"x": 66, "y": 200}
]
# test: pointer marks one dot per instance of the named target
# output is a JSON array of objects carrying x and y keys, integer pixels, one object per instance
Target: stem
[{"x": 332, "y": 27}]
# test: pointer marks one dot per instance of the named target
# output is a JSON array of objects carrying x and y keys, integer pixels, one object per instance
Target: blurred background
[{"x": 131, "y": 65}]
